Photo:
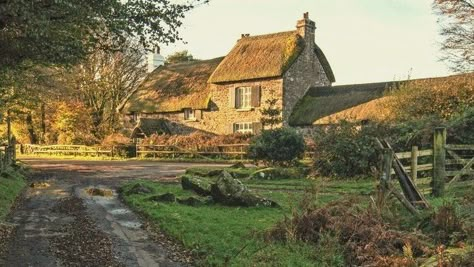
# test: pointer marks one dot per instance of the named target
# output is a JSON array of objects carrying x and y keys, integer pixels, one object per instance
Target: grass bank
[
  {"x": 234, "y": 236},
  {"x": 12, "y": 182}
]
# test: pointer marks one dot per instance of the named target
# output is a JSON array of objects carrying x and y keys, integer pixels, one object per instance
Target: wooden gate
[{"x": 459, "y": 161}]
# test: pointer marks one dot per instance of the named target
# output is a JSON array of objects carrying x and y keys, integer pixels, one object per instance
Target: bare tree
[
  {"x": 457, "y": 28},
  {"x": 104, "y": 81}
]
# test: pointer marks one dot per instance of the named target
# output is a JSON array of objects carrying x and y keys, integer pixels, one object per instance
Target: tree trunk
[
  {"x": 43, "y": 122},
  {"x": 31, "y": 131}
]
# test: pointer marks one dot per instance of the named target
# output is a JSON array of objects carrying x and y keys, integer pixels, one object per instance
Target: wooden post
[
  {"x": 414, "y": 163},
  {"x": 387, "y": 165},
  {"x": 13, "y": 150},
  {"x": 439, "y": 161},
  {"x": 9, "y": 128},
  {"x": 112, "y": 152}
]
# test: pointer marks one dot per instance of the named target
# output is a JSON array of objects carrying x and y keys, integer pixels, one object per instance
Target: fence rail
[
  {"x": 74, "y": 150},
  {"x": 224, "y": 150},
  {"x": 142, "y": 151}
]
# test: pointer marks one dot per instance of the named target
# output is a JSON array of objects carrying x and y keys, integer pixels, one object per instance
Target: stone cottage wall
[
  {"x": 220, "y": 117},
  {"x": 305, "y": 72}
]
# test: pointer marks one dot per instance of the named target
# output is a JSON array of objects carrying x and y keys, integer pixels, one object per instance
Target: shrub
[
  {"x": 196, "y": 140},
  {"x": 346, "y": 149},
  {"x": 441, "y": 97},
  {"x": 277, "y": 147},
  {"x": 115, "y": 139}
]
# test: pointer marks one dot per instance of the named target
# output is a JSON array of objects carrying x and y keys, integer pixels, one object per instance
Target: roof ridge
[{"x": 267, "y": 35}]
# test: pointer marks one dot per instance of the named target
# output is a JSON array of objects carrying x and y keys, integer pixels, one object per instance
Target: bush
[
  {"x": 443, "y": 98},
  {"x": 346, "y": 149},
  {"x": 277, "y": 147}
]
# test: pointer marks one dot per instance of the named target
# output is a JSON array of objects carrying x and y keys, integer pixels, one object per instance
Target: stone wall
[
  {"x": 220, "y": 117},
  {"x": 305, "y": 72}
]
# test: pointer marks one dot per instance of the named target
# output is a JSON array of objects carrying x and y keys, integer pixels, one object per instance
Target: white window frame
[
  {"x": 243, "y": 127},
  {"x": 189, "y": 114},
  {"x": 243, "y": 97}
]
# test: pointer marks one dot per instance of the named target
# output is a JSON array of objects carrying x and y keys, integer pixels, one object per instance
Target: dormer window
[{"x": 189, "y": 114}]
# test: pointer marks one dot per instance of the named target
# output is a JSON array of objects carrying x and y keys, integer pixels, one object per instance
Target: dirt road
[{"x": 59, "y": 224}]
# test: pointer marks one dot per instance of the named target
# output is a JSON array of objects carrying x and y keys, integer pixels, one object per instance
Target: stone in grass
[
  {"x": 238, "y": 165},
  {"x": 190, "y": 201},
  {"x": 139, "y": 189},
  {"x": 232, "y": 192},
  {"x": 167, "y": 197},
  {"x": 199, "y": 185}
]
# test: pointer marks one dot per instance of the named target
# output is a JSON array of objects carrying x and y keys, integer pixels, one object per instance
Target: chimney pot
[{"x": 306, "y": 15}]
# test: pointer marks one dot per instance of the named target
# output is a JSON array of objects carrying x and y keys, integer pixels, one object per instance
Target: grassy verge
[
  {"x": 233, "y": 236},
  {"x": 12, "y": 181}
]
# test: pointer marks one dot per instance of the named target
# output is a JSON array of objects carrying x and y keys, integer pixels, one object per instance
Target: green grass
[
  {"x": 221, "y": 235},
  {"x": 11, "y": 184}
]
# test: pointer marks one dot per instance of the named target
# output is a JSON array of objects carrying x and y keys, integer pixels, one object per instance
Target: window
[
  {"x": 189, "y": 114},
  {"x": 243, "y": 127},
  {"x": 134, "y": 116},
  {"x": 243, "y": 97}
]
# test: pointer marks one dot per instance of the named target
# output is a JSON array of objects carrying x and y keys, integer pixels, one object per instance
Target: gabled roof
[
  {"x": 325, "y": 63},
  {"x": 174, "y": 87},
  {"x": 262, "y": 56},
  {"x": 147, "y": 126},
  {"x": 320, "y": 102}
]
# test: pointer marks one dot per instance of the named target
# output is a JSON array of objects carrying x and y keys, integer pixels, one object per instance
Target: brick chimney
[{"x": 305, "y": 28}]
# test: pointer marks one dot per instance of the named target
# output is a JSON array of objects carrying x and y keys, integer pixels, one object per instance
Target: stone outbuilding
[{"x": 226, "y": 95}]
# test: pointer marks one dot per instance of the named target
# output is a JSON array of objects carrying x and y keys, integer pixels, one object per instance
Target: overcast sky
[{"x": 364, "y": 40}]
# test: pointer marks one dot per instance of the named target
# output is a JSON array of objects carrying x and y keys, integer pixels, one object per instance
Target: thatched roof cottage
[{"x": 225, "y": 95}]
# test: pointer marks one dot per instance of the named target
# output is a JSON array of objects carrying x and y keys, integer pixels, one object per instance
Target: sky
[{"x": 364, "y": 40}]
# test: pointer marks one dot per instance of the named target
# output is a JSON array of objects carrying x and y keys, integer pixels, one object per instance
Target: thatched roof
[
  {"x": 147, "y": 126},
  {"x": 356, "y": 102},
  {"x": 374, "y": 110},
  {"x": 320, "y": 102},
  {"x": 325, "y": 63},
  {"x": 174, "y": 87},
  {"x": 263, "y": 56}
]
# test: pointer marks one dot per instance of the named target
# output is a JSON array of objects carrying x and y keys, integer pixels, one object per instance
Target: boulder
[
  {"x": 167, "y": 197},
  {"x": 190, "y": 201},
  {"x": 139, "y": 189},
  {"x": 199, "y": 185},
  {"x": 232, "y": 192},
  {"x": 238, "y": 165}
]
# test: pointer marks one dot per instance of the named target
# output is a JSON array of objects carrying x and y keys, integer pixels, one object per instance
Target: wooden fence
[
  {"x": 7, "y": 156},
  {"x": 225, "y": 151},
  {"x": 66, "y": 150},
  {"x": 445, "y": 163},
  {"x": 421, "y": 174}
]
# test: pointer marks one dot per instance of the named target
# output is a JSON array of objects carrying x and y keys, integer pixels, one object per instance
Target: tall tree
[
  {"x": 65, "y": 31},
  {"x": 457, "y": 28}
]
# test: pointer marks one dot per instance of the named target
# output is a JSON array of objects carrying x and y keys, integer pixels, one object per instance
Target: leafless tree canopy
[{"x": 457, "y": 28}]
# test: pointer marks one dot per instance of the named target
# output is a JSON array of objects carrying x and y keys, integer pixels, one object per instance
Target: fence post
[
  {"x": 112, "y": 152},
  {"x": 439, "y": 161},
  {"x": 414, "y": 163},
  {"x": 13, "y": 150},
  {"x": 387, "y": 165}
]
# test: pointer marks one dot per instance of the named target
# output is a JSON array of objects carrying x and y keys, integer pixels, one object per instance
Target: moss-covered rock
[
  {"x": 166, "y": 197},
  {"x": 232, "y": 192},
  {"x": 190, "y": 201},
  {"x": 280, "y": 173},
  {"x": 138, "y": 189},
  {"x": 200, "y": 185}
]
